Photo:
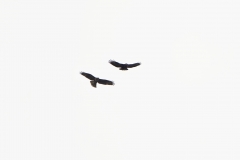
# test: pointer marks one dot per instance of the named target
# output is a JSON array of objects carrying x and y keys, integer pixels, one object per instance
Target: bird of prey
[
  {"x": 95, "y": 80},
  {"x": 123, "y": 66}
]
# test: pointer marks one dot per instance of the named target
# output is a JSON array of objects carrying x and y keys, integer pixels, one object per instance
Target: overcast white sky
[{"x": 182, "y": 103}]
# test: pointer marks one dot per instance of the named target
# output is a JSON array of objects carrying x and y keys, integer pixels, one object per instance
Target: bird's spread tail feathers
[
  {"x": 93, "y": 83},
  {"x": 123, "y": 68}
]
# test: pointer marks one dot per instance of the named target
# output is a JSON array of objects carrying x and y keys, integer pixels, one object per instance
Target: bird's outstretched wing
[
  {"x": 105, "y": 82},
  {"x": 87, "y": 75},
  {"x": 133, "y": 65},
  {"x": 114, "y": 63}
]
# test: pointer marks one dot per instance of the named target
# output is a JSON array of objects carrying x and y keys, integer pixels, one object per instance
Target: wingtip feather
[{"x": 110, "y": 61}]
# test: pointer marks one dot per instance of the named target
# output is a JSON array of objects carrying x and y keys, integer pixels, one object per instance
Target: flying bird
[
  {"x": 95, "y": 80},
  {"x": 123, "y": 66}
]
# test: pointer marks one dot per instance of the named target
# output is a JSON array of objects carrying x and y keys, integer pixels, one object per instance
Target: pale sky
[{"x": 182, "y": 103}]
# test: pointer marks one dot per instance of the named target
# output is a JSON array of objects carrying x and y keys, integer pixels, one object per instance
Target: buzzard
[
  {"x": 123, "y": 66},
  {"x": 95, "y": 80}
]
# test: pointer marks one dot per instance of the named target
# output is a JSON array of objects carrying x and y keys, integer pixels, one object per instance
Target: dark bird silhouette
[
  {"x": 123, "y": 66},
  {"x": 95, "y": 80}
]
